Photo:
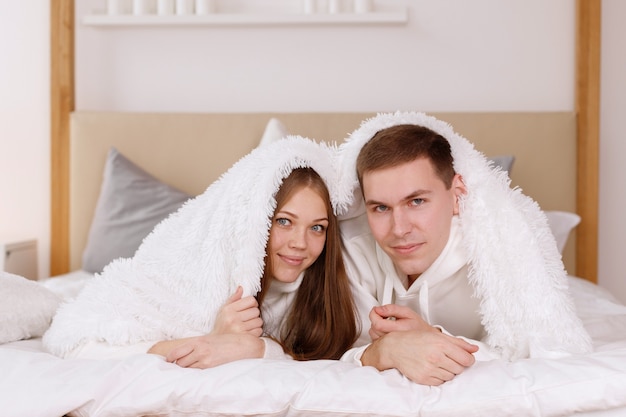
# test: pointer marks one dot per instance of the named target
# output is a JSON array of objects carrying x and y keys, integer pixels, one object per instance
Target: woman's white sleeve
[
  {"x": 273, "y": 350},
  {"x": 354, "y": 355}
]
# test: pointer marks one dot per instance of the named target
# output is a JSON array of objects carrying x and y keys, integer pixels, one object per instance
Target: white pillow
[
  {"x": 561, "y": 224},
  {"x": 274, "y": 130},
  {"x": 26, "y": 309}
]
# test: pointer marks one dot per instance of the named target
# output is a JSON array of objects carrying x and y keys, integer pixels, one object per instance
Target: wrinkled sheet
[{"x": 34, "y": 383}]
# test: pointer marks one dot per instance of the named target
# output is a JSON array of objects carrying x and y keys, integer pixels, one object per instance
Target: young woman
[
  {"x": 305, "y": 298},
  {"x": 257, "y": 254}
]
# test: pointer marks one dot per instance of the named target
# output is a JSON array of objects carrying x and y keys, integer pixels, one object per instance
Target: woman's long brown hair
[{"x": 321, "y": 323}]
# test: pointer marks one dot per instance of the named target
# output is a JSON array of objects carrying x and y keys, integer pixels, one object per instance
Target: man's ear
[{"x": 458, "y": 188}]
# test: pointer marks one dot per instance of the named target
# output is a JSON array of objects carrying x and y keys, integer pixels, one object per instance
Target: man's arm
[
  {"x": 404, "y": 341},
  {"x": 425, "y": 357}
]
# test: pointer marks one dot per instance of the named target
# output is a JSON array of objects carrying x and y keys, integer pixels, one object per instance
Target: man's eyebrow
[
  {"x": 416, "y": 194},
  {"x": 374, "y": 202},
  {"x": 411, "y": 196}
]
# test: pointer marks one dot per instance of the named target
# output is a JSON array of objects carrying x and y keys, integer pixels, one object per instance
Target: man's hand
[
  {"x": 393, "y": 318},
  {"x": 239, "y": 315},
  {"x": 216, "y": 349},
  {"x": 419, "y": 351}
]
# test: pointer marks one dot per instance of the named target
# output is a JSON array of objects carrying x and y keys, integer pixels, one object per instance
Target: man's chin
[{"x": 408, "y": 269}]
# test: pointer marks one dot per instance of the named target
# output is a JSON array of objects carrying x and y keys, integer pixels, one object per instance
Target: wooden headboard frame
[{"x": 587, "y": 123}]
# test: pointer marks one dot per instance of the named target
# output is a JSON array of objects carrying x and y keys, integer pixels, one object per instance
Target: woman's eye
[
  {"x": 283, "y": 222},
  {"x": 318, "y": 228}
]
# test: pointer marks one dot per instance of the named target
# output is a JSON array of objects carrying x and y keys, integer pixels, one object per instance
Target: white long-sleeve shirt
[{"x": 442, "y": 294}]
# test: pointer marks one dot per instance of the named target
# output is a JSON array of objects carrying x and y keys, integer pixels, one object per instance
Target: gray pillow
[
  {"x": 503, "y": 161},
  {"x": 130, "y": 204}
]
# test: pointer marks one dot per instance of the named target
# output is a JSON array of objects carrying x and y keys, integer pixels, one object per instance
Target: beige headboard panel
[{"x": 189, "y": 151}]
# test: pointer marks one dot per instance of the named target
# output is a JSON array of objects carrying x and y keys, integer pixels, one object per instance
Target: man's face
[{"x": 409, "y": 211}]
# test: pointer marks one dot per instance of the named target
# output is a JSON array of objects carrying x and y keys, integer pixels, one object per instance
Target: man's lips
[{"x": 406, "y": 248}]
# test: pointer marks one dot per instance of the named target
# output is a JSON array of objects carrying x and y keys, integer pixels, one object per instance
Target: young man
[{"x": 430, "y": 260}]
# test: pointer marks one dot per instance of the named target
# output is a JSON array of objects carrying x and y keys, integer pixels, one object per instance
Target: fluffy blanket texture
[
  {"x": 515, "y": 266},
  {"x": 193, "y": 260}
]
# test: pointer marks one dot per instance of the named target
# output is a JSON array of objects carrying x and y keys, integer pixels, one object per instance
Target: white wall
[
  {"x": 454, "y": 55},
  {"x": 25, "y": 124},
  {"x": 612, "y": 218}
]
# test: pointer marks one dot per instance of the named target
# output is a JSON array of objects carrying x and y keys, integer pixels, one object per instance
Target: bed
[{"x": 179, "y": 155}]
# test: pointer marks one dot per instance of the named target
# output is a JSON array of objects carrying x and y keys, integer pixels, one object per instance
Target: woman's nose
[{"x": 298, "y": 239}]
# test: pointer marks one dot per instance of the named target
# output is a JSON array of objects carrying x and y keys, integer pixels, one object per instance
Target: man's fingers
[
  {"x": 381, "y": 325},
  {"x": 450, "y": 367},
  {"x": 385, "y": 311},
  {"x": 460, "y": 352},
  {"x": 464, "y": 344},
  {"x": 432, "y": 375},
  {"x": 395, "y": 311},
  {"x": 373, "y": 334},
  {"x": 469, "y": 347}
]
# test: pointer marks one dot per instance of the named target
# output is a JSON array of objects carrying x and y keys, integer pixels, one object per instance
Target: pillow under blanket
[{"x": 26, "y": 309}]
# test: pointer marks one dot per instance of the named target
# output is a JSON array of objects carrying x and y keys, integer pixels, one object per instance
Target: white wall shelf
[{"x": 243, "y": 19}]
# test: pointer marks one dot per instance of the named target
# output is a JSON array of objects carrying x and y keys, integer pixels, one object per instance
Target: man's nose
[{"x": 401, "y": 223}]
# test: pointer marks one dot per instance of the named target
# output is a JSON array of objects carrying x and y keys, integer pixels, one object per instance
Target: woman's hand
[
  {"x": 235, "y": 335},
  {"x": 216, "y": 349},
  {"x": 239, "y": 315}
]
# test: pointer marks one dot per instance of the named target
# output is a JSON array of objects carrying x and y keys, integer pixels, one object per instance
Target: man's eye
[
  {"x": 417, "y": 201},
  {"x": 380, "y": 208}
]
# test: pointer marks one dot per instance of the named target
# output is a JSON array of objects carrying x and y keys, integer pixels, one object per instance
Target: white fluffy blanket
[
  {"x": 515, "y": 266},
  {"x": 194, "y": 259}
]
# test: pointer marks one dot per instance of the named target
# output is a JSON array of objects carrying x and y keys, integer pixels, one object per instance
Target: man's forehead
[{"x": 400, "y": 181}]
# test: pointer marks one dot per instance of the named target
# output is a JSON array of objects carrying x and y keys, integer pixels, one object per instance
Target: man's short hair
[{"x": 404, "y": 143}]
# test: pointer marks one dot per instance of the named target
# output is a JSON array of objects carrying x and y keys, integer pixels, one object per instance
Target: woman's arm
[
  {"x": 236, "y": 335},
  {"x": 210, "y": 350}
]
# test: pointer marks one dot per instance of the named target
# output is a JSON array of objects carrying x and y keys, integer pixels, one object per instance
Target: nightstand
[{"x": 19, "y": 258}]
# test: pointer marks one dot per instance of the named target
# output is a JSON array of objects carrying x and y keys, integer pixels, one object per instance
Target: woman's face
[{"x": 297, "y": 235}]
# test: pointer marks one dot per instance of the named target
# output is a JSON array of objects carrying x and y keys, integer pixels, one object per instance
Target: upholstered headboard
[{"x": 189, "y": 151}]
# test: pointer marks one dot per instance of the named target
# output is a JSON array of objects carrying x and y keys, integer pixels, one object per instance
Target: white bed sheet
[{"x": 34, "y": 383}]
